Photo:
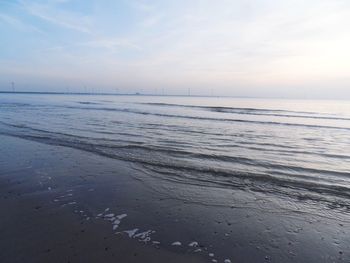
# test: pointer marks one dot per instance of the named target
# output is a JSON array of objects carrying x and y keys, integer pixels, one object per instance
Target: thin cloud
[
  {"x": 152, "y": 20},
  {"x": 140, "y": 5},
  {"x": 18, "y": 24},
  {"x": 57, "y": 16},
  {"x": 111, "y": 44}
]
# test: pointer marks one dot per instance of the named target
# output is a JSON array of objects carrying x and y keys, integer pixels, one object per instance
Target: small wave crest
[
  {"x": 201, "y": 118},
  {"x": 180, "y": 165},
  {"x": 256, "y": 111}
]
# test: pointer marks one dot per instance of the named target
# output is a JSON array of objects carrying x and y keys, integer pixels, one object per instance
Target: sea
[{"x": 298, "y": 149}]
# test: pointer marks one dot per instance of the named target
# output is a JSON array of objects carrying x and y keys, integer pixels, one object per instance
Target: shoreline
[
  {"x": 47, "y": 222},
  {"x": 53, "y": 197}
]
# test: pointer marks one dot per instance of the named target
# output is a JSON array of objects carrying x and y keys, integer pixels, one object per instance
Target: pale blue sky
[{"x": 277, "y": 48}]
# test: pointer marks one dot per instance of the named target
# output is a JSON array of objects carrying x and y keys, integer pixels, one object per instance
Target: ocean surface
[{"x": 289, "y": 148}]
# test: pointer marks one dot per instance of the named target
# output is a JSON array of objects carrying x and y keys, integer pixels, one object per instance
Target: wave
[
  {"x": 186, "y": 168},
  {"x": 253, "y": 181},
  {"x": 221, "y": 107},
  {"x": 256, "y": 145},
  {"x": 14, "y": 104},
  {"x": 255, "y": 111},
  {"x": 201, "y": 118},
  {"x": 88, "y": 103},
  {"x": 127, "y": 110}
]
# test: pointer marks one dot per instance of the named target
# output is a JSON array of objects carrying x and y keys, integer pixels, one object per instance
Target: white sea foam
[
  {"x": 144, "y": 236},
  {"x": 131, "y": 232},
  {"x": 176, "y": 243},
  {"x": 121, "y": 216},
  {"x": 109, "y": 215},
  {"x": 193, "y": 244}
]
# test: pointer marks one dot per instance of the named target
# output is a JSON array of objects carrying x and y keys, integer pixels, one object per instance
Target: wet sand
[{"x": 64, "y": 205}]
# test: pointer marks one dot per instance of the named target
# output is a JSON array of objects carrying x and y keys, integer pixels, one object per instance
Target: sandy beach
[
  {"x": 49, "y": 214},
  {"x": 64, "y": 205}
]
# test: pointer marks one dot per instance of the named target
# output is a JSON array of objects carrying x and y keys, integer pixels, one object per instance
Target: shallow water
[{"x": 299, "y": 149}]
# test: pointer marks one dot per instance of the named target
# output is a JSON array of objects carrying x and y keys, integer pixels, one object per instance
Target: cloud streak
[
  {"x": 54, "y": 15},
  {"x": 112, "y": 44},
  {"x": 18, "y": 24}
]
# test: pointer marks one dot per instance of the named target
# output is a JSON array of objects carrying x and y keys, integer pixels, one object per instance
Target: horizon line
[{"x": 161, "y": 95}]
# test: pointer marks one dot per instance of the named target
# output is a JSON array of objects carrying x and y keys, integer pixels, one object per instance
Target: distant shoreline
[
  {"x": 166, "y": 95},
  {"x": 109, "y": 94}
]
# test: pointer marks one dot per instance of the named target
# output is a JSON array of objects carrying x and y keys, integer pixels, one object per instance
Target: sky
[{"x": 254, "y": 48}]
